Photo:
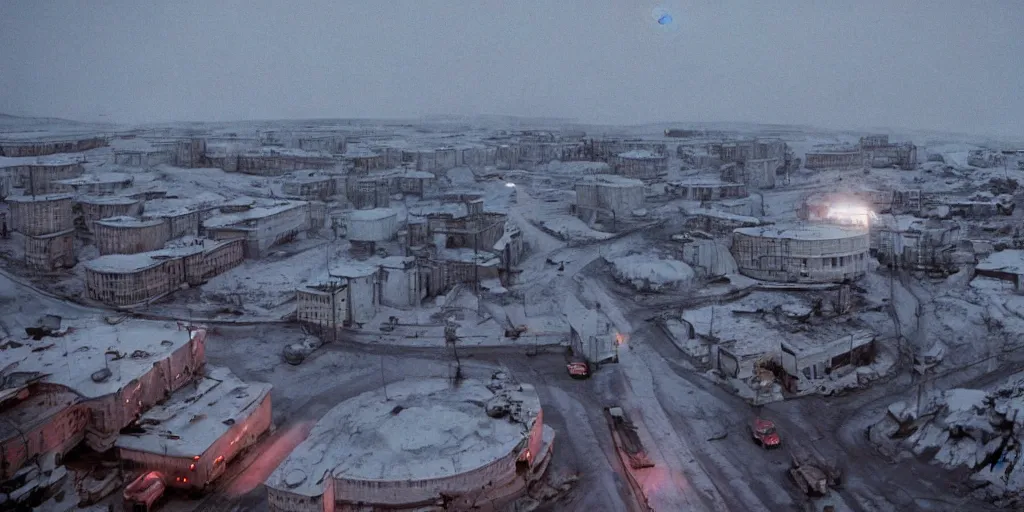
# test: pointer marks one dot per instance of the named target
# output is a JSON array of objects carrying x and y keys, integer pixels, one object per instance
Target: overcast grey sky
[{"x": 930, "y": 64}]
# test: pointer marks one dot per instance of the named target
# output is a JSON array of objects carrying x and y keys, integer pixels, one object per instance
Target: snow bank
[
  {"x": 965, "y": 428},
  {"x": 651, "y": 274}
]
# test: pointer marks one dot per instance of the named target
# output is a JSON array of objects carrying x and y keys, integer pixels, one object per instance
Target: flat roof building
[
  {"x": 192, "y": 437},
  {"x": 430, "y": 443}
]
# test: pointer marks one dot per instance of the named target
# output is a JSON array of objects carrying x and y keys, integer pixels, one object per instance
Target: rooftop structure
[
  {"x": 192, "y": 437},
  {"x": 429, "y": 438}
]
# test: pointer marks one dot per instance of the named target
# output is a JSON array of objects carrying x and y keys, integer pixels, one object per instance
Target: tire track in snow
[{"x": 580, "y": 434}]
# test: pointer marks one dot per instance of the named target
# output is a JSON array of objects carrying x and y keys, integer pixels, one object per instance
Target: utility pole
[{"x": 383, "y": 381}]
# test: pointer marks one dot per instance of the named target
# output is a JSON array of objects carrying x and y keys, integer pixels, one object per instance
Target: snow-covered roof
[
  {"x": 278, "y": 151},
  {"x": 704, "y": 182},
  {"x": 130, "y": 263},
  {"x": 425, "y": 429},
  {"x": 124, "y": 221},
  {"x": 305, "y": 177},
  {"x": 372, "y": 214},
  {"x": 27, "y": 414},
  {"x": 464, "y": 255},
  {"x": 641, "y": 154},
  {"x": 195, "y": 417},
  {"x": 259, "y": 212},
  {"x": 612, "y": 180},
  {"x": 426, "y": 209},
  {"x": 357, "y": 152},
  {"x": 419, "y": 175},
  {"x": 38, "y": 199},
  {"x": 72, "y": 359},
  {"x": 105, "y": 177},
  {"x": 173, "y": 206},
  {"x": 41, "y": 161},
  {"x": 106, "y": 200},
  {"x": 803, "y": 231},
  {"x": 1010, "y": 261},
  {"x": 724, "y": 215}
]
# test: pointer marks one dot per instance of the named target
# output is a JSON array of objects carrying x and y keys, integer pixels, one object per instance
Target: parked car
[
  {"x": 578, "y": 369},
  {"x": 764, "y": 433}
]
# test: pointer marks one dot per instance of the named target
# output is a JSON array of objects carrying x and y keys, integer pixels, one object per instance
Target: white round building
[
  {"x": 426, "y": 443},
  {"x": 801, "y": 253}
]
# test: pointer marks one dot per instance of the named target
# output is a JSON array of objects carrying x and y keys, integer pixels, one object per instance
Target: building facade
[
  {"x": 801, "y": 253},
  {"x": 839, "y": 160},
  {"x": 128, "y": 235},
  {"x": 261, "y": 228}
]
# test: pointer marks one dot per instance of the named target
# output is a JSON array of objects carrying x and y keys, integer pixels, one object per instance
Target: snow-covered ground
[{"x": 694, "y": 429}]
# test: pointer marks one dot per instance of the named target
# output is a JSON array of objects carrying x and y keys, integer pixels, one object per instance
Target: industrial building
[
  {"x": 363, "y": 160},
  {"x": 369, "y": 452},
  {"x": 742, "y": 151},
  {"x": 456, "y": 241},
  {"x": 369, "y": 192},
  {"x": 51, "y": 251},
  {"x": 606, "y": 150},
  {"x": 95, "y": 383},
  {"x": 350, "y": 295},
  {"x": 415, "y": 183},
  {"x": 605, "y": 197},
  {"x": 95, "y": 184},
  {"x": 126, "y": 280},
  {"x": 144, "y": 158},
  {"x": 39, "y": 175},
  {"x": 706, "y": 190},
  {"x": 881, "y": 153},
  {"x": 715, "y": 222},
  {"x": 128, "y": 235},
  {"x": 42, "y": 214},
  {"x": 754, "y": 173},
  {"x": 312, "y": 142},
  {"x": 310, "y": 186},
  {"x": 22, "y": 148},
  {"x": 918, "y": 244},
  {"x": 261, "y": 227},
  {"x": 802, "y": 253},
  {"x": 837, "y": 159},
  {"x": 190, "y": 438},
  {"x": 184, "y": 217},
  {"x": 640, "y": 164},
  {"x": 269, "y": 161},
  {"x": 95, "y": 208}
]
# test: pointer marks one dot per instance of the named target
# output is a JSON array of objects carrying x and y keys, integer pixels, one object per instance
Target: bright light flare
[
  {"x": 621, "y": 339},
  {"x": 848, "y": 213},
  {"x": 510, "y": 184}
]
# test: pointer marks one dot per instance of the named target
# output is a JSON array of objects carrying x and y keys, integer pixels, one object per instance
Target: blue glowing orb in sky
[{"x": 665, "y": 19}]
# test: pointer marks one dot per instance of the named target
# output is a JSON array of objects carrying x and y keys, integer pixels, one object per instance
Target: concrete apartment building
[{"x": 261, "y": 227}]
